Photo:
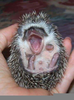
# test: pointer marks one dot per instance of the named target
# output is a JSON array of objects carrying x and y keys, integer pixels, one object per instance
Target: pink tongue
[{"x": 35, "y": 42}]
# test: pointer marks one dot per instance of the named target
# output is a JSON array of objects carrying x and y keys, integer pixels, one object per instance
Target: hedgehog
[{"x": 38, "y": 58}]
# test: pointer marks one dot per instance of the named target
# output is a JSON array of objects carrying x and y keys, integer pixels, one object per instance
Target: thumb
[{"x": 5, "y": 37}]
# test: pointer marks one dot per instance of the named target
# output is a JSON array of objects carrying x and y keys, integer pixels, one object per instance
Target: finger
[
  {"x": 38, "y": 92},
  {"x": 27, "y": 92},
  {"x": 10, "y": 31},
  {"x": 6, "y": 35},
  {"x": 68, "y": 77},
  {"x": 68, "y": 45}
]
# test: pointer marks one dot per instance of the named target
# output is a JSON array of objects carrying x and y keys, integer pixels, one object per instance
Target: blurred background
[{"x": 61, "y": 13}]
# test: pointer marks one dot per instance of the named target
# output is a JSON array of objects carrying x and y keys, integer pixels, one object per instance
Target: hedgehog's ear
[{"x": 19, "y": 31}]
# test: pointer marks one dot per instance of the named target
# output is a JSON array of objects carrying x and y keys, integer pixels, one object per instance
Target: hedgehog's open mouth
[{"x": 35, "y": 42}]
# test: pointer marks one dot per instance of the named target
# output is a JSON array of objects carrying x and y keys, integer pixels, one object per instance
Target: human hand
[{"x": 7, "y": 83}]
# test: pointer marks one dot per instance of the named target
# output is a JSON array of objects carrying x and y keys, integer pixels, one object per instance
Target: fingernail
[
  {"x": 68, "y": 38},
  {"x": 15, "y": 24}
]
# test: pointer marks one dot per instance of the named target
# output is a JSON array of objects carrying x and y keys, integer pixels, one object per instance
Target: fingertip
[
  {"x": 12, "y": 29},
  {"x": 68, "y": 38},
  {"x": 7, "y": 34},
  {"x": 14, "y": 25},
  {"x": 68, "y": 45},
  {"x": 67, "y": 41}
]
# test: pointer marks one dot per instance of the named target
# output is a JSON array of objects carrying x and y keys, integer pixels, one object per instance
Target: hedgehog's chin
[
  {"x": 41, "y": 66},
  {"x": 41, "y": 70}
]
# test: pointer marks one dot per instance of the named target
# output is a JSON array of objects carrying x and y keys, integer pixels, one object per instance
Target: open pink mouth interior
[{"x": 35, "y": 42}]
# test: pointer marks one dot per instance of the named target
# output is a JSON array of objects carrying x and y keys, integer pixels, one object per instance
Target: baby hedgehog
[{"x": 38, "y": 58}]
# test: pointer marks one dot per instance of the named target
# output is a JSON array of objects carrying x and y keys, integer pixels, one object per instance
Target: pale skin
[{"x": 8, "y": 85}]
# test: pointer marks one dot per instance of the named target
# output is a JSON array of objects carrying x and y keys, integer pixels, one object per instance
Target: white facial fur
[{"x": 45, "y": 56}]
